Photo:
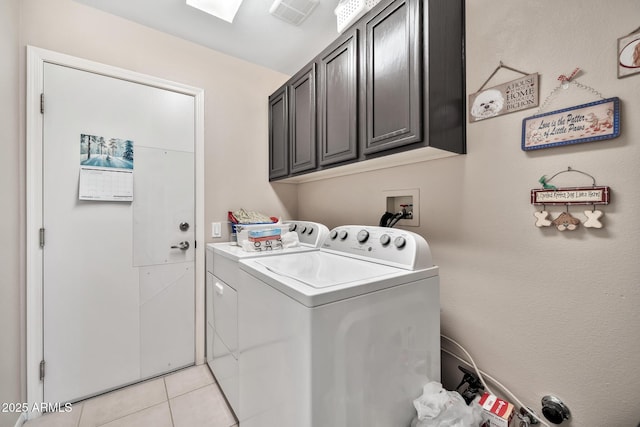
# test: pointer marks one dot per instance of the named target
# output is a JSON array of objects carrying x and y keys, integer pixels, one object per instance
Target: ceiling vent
[{"x": 293, "y": 11}]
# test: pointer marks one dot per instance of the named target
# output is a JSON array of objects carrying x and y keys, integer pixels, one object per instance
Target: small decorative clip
[
  {"x": 543, "y": 181},
  {"x": 564, "y": 80}
]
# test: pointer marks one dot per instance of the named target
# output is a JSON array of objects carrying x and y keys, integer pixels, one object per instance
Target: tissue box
[{"x": 496, "y": 412}]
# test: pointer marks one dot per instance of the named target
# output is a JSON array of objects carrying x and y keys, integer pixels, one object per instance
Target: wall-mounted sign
[
  {"x": 629, "y": 54},
  {"x": 594, "y": 121},
  {"x": 571, "y": 196},
  {"x": 509, "y": 97}
]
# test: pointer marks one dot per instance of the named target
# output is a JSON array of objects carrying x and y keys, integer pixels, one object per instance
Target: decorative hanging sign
[
  {"x": 569, "y": 196},
  {"x": 509, "y": 97},
  {"x": 594, "y": 121},
  {"x": 629, "y": 54}
]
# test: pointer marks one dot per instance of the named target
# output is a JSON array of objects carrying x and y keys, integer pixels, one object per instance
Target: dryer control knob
[
  {"x": 333, "y": 234},
  {"x": 399, "y": 242},
  {"x": 385, "y": 239},
  {"x": 310, "y": 231},
  {"x": 343, "y": 234},
  {"x": 303, "y": 229},
  {"x": 363, "y": 235}
]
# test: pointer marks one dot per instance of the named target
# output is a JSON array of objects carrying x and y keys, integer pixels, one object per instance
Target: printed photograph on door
[{"x": 102, "y": 152}]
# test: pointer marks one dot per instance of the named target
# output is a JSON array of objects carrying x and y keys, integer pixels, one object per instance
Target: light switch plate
[{"x": 216, "y": 229}]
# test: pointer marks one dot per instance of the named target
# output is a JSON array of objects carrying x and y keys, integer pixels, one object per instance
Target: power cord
[{"x": 482, "y": 374}]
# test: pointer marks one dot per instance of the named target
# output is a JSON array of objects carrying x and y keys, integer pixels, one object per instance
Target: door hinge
[
  {"x": 41, "y": 370},
  {"x": 42, "y": 103},
  {"x": 195, "y": 244},
  {"x": 42, "y": 237}
]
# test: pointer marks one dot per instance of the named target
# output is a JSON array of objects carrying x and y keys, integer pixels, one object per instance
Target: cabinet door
[
  {"x": 339, "y": 101},
  {"x": 302, "y": 120},
  {"x": 278, "y": 134},
  {"x": 393, "y": 81}
]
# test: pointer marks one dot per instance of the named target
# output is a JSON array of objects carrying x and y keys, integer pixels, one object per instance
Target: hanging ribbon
[{"x": 566, "y": 79}]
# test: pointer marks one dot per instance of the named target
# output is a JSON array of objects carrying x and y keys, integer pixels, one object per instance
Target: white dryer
[
  {"x": 341, "y": 337},
  {"x": 221, "y": 296}
]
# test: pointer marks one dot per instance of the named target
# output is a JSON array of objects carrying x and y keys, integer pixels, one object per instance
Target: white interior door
[{"x": 118, "y": 300}]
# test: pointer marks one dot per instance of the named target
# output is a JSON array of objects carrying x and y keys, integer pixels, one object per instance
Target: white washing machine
[
  {"x": 341, "y": 337},
  {"x": 222, "y": 300}
]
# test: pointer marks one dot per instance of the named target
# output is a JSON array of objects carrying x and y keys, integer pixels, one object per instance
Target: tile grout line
[
  {"x": 167, "y": 400},
  {"x": 166, "y": 392},
  {"x": 81, "y": 412},
  {"x": 128, "y": 415},
  {"x": 192, "y": 390},
  {"x": 134, "y": 412}
]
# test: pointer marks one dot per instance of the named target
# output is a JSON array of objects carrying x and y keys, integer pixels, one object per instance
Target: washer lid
[
  {"x": 317, "y": 278},
  {"x": 235, "y": 253},
  {"x": 322, "y": 270}
]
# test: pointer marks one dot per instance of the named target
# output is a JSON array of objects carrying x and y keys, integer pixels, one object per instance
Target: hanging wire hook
[
  {"x": 500, "y": 65},
  {"x": 569, "y": 169}
]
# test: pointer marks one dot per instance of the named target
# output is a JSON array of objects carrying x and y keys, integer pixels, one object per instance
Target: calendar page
[
  {"x": 106, "y": 184},
  {"x": 106, "y": 168}
]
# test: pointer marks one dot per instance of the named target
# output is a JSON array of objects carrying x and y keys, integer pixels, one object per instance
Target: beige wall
[
  {"x": 11, "y": 218},
  {"x": 235, "y": 94},
  {"x": 235, "y": 132},
  {"x": 541, "y": 310}
]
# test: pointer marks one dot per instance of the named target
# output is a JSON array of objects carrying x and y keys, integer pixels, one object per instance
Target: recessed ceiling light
[{"x": 223, "y": 9}]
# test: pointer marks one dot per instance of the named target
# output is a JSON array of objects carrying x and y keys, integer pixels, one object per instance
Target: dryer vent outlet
[{"x": 293, "y": 11}]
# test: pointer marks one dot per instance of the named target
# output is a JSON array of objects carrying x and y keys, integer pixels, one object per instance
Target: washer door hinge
[
  {"x": 42, "y": 103},
  {"x": 42, "y": 370},
  {"x": 42, "y": 237}
]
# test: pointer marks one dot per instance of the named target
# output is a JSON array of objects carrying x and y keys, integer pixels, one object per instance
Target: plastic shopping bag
[{"x": 438, "y": 407}]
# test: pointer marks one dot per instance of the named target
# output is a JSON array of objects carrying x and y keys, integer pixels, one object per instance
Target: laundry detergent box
[{"x": 496, "y": 412}]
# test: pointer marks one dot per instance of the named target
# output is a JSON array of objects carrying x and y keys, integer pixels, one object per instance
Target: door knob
[{"x": 183, "y": 246}]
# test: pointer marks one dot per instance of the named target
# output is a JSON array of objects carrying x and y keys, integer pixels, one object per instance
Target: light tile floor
[{"x": 189, "y": 397}]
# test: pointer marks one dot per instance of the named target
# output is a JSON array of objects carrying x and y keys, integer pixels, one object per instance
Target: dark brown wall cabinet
[
  {"x": 278, "y": 134},
  {"x": 302, "y": 119},
  {"x": 393, "y": 81},
  {"x": 338, "y": 105}
]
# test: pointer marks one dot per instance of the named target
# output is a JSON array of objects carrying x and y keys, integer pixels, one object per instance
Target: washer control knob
[
  {"x": 303, "y": 229},
  {"x": 343, "y": 234},
  {"x": 385, "y": 239},
  {"x": 293, "y": 227},
  {"x": 310, "y": 231},
  {"x": 399, "y": 242},
  {"x": 333, "y": 234},
  {"x": 363, "y": 235}
]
